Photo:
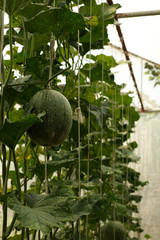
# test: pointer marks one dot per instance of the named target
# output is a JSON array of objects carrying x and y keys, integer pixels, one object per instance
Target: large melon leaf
[
  {"x": 43, "y": 212},
  {"x": 56, "y": 20},
  {"x": 32, "y": 9},
  {"x": 13, "y": 6},
  {"x": 10, "y": 133},
  {"x": 52, "y": 166}
]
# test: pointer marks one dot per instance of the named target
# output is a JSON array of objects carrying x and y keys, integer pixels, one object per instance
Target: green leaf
[
  {"x": 147, "y": 236},
  {"x": 107, "y": 12},
  {"x": 11, "y": 133},
  {"x": 104, "y": 15},
  {"x": 43, "y": 212},
  {"x": 52, "y": 166},
  {"x": 121, "y": 209},
  {"x": 85, "y": 10},
  {"x": 13, "y": 177},
  {"x": 56, "y": 20},
  {"x": 36, "y": 66},
  {"x": 64, "y": 185},
  {"x": 13, "y": 6},
  {"x": 97, "y": 72},
  {"x": 68, "y": 184},
  {"x": 13, "y": 96},
  {"x": 19, "y": 82},
  {"x": 108, "y": 60},
  {"x": 32, "y": 9},
  {"x": 80, "y": 208},
  {"x": 88, "y": 95},
  {"x": 3, "y": 198},
  {"x": 16, "y": 114},
  {"x": 15, "y": 237},
  {"x": 101, "y": 112},
  {"x": 40, "y": 40},
  {"x": 109, "y": 170}
]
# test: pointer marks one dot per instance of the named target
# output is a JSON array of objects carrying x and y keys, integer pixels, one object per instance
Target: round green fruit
[
  {"x": 56, "y": 116},
  {"x": 113, "y": 230}
]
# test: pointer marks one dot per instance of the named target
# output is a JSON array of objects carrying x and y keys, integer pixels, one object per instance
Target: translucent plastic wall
[{"x": 147, "y": 135}]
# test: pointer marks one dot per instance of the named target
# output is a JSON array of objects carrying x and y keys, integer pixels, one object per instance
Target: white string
[
  {"x": 79, "y": 130},
  {"x": 90, "y": 47},
  {"x": 114, "y": 146},
  {"x": 102, "y": 93},
  {"x": 79, "y": 112},
  {"x": 88, "y": 166}
]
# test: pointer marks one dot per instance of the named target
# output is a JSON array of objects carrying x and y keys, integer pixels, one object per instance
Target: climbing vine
[{"x": 50, "y": 44}]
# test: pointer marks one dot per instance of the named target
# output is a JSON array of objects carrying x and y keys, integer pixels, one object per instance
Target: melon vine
[{"x": 84, "y": 153}]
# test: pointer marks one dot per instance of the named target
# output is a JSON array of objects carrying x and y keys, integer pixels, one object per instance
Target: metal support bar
[
  {"x": 135, "y": 55},
  {"x": 110, "y": 2},
  {"x": 138, "y": 14}
]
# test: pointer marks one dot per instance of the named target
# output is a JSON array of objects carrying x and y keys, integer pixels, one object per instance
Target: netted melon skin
[
  {"x": 56, "y": 118},
  {"x": 113, "y": 230}
]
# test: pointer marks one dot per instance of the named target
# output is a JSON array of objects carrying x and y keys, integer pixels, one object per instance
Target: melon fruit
[
  {"x": 113, "y": 230},
  {"x": 56, "y": 116}
]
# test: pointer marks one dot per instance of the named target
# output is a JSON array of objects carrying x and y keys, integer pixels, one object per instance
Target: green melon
[
  {"x": 56, "y": 117},
  {"x": 113, "y": 230}
]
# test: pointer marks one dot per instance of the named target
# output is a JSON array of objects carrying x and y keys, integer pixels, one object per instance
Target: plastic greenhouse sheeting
[{"x": 147, "y": 135}]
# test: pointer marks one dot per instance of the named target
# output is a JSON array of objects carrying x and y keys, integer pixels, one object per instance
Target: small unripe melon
[
  {"x": 113, "y": 230},
  {"x": 56, "y": 116}
]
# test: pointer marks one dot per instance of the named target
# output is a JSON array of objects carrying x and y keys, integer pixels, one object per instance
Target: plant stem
[
  {"x": 66, "y": 61},
  {"x": 27, "y": 234},
  {"x": 73, "y": 231},
  {"x": 5, "y": 181},
  {"x": 39, "y": 235},
  {"x": 27, "y": 143},
  {"x": 7, "y": 172},
  {"x": 46, "y": 174},
  {"x": 22, "y": 233},
  {"x": 10, "y": 228},
  {"x": 17, "y": 173},
  {"x": 34, "y": 235},
  {"x": 4, "y": 191}
]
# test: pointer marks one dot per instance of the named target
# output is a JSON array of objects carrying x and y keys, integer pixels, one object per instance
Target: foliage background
[{"x": 56, "y": 44}]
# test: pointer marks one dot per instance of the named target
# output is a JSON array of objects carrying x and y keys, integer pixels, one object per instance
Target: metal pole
[
  {"x": 138, "y": 14},
  {"x": 120, "y": 34},
  {"x": 135, "y": 55}
]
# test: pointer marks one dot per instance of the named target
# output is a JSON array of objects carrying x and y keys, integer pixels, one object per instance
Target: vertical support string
[
  {"x": 90, "y": 47},
  {"x": 102, "y": 93},
  {"x": 127, "y": 176},
  {"x": 122, "y": 143},
  {"x": 89, "y": 116},
  {"x": 114, "y": 144},
  {"x": 79, "y": 112},
  {"x": 114, "y": 100},
  {"x": 102, "y": 102},
  {"x": 79, "y": 129}
]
